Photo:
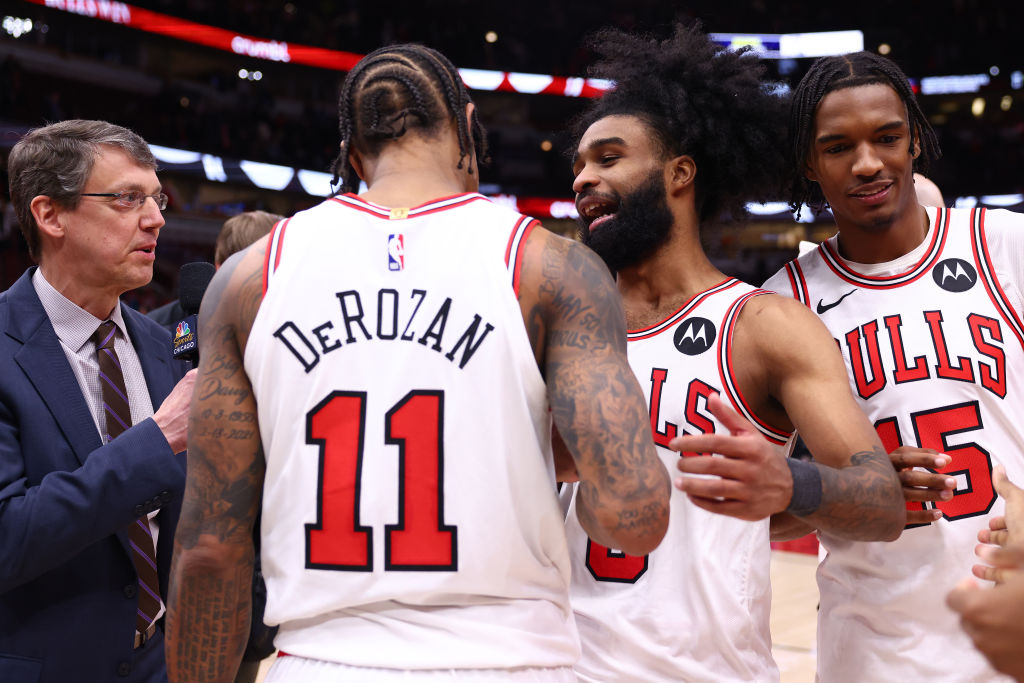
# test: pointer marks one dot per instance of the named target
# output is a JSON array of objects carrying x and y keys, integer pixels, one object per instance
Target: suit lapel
[
  {"x": 42, "y": 359},
  {"x": 154, "y": 351}
]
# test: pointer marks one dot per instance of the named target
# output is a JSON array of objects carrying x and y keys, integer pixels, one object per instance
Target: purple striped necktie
[{"x": 119, "y": 418}]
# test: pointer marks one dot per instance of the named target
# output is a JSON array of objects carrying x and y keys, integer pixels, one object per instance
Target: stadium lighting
[{"x": 16, "y": 27}]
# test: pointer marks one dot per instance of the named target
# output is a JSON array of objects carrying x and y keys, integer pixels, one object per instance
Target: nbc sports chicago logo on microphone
[{"x": 184, "y": 337}]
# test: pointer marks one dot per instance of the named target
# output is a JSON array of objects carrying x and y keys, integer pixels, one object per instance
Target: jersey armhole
[
  {"x": 516, "y": 247},
  {"x": 797, "y": 282},
  {"x": 987, "y": 272},
  {"x": 773, "y": 435},
  {"x": 273, "y": 256}
]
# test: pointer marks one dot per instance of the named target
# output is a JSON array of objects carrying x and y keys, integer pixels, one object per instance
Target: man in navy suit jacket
[{"x": 89, "y": 203}]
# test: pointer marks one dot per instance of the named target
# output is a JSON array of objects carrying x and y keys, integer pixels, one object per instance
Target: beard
[{"x": 639, "y": 227}]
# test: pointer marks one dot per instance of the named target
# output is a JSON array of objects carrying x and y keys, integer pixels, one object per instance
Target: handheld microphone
[{"x": 193, "y": 279}]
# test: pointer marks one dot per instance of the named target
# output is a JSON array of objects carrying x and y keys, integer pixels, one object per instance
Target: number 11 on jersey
[{"x": 419, "y": 540}]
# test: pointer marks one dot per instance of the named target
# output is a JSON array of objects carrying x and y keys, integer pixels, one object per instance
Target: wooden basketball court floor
[{"x": 794, "y": 616}]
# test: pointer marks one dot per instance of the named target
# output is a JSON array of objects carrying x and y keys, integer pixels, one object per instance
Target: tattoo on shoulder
[
  {"x": 233, "y": 299},
  {"x": 578, "y": 298}
]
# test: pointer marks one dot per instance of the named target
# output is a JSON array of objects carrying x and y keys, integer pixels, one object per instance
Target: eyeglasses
[{"x": 131, "y": 199}]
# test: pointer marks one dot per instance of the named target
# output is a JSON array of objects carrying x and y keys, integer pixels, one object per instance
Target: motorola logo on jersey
[
  {"x": 954, "y": 275},
  {"x": 694, "y": 336},
  {"x": 396, "y": 252}
]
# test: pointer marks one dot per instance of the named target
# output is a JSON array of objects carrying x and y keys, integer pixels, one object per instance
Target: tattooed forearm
[
  {"x": 208, "y": 619},
  {"x": 219, "y": 501},
  {"x": 595, "y": 399},
  {"x": 861, "y": 502}
]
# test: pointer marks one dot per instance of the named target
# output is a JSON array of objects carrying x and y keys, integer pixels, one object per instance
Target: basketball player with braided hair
[
  {"x": 382, "y": 371},
  {"x": 925, "y": 306},
  {"x": 690, "y": 132}
]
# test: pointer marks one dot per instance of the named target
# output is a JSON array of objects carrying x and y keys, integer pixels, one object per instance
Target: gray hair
[{"x": 55, "y": 161}]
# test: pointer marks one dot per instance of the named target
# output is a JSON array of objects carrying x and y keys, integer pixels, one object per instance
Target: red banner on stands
[{"x": 279, "y": 51}]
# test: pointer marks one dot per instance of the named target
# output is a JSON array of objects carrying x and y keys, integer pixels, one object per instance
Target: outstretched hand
[
  {"x": 749, "y": 481},
  {"x": 1003, "y": 530},
  {"x": 991, "y": 617},
  {"x": 921, "y": 486}
]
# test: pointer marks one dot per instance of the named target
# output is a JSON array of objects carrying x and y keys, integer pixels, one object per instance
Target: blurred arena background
[{"x": 240, "y": 96}]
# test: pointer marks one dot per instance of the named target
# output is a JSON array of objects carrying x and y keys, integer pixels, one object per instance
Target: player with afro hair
[
  {"x": 691, "y": 132},
  {"x": 702, "y": 100}
]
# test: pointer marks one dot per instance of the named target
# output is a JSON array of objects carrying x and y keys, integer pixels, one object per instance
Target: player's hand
[
  {"x": 921, "y": 486},
  {"x": 1000, "y": 563},
  {"x": 991, "y": 617},
  {"x": 996, "y": 533},
  {"x": 1004, "y": 530},
  {"x": 751, "y": 481},
  {"x": 1013, "y": 516}
]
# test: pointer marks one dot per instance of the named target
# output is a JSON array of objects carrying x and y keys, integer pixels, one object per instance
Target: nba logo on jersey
[{"x": 396, "y": 252}]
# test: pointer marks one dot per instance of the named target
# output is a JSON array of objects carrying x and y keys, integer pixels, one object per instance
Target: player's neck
[
  {"x": 411, "y": 174},
  {"x": 676, "y": 272},
  {"x": 884, "y": 243}
]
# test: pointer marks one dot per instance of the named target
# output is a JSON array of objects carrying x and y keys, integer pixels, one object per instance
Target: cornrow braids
[
  {"x": 827, "y": 75},
  {"x": 396, "y": 89},
  {"x": 702, "y": 100}
]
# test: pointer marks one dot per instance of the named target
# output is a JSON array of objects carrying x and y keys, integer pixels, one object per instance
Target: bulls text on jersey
[
  {"x": 985, "y": 364},
  {"x": 695, "y": 411}
]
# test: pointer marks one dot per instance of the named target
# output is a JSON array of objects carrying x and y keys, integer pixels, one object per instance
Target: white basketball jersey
[
  {"x": 696, "y": 608},
  {"x": 409, "y": 511},
  {"x": 934, "y": 349}
]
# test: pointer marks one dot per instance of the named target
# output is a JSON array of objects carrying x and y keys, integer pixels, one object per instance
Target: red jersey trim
[
  {"x": 516, "y": 248},
  {"x": 273, "y": 256},
  {"x": 939, "y": 233},
  {"x": 433, "y": 206},
  {"x": 776, "y": 436},
  {"x": 687, "y": 308},
  {"x": 979, "y": 243},
  {"x": 797, "y": 282}
]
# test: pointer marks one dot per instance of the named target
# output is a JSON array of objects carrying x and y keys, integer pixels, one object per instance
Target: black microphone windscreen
[{"x": 193, "y": 279}]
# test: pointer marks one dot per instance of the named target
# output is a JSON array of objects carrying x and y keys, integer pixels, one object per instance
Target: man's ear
[
  {"x": 682, "y": 172},
  {"x": 473, "y": 161},
  {"x": 356, "y": 160},
  {"x": 810, "y": 174},
  {"x": 47, "y": 212},
  {"x": 916, "y": 151}
]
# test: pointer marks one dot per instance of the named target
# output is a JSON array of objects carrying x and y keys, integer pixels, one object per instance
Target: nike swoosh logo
[{"x": 822, "y": 307}]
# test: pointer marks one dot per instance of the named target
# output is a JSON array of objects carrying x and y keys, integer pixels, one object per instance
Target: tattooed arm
[
  {"x": 789, "y": 371},
  {"x": 861, "y": 494},
  {"x": 576, "y": 324},
  {"x": 208, "y": 609}
]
